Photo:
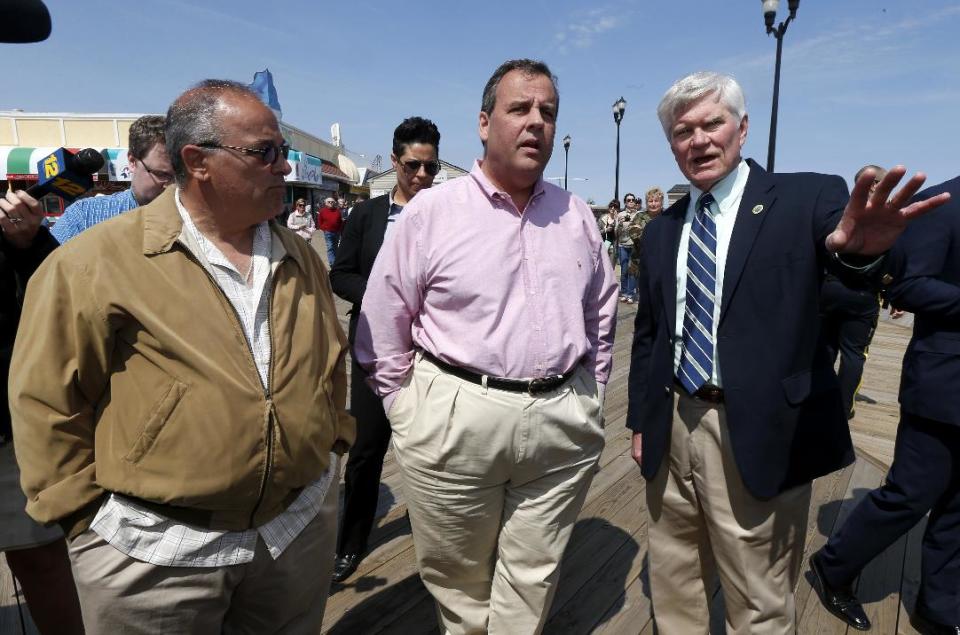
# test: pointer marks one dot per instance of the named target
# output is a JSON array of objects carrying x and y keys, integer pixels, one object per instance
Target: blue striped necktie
[{"x": 696, "y": 358}]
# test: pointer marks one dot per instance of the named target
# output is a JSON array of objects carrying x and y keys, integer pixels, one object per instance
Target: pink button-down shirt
[{"x": 468, "y": 278}]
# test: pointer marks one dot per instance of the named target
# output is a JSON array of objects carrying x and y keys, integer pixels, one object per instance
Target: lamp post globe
[
  {"x": 619, "y": 107},
  {"x": 769, "y": 9}
]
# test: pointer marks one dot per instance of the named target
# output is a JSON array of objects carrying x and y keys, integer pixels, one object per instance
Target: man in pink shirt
[{"x": 487, "y": 328}]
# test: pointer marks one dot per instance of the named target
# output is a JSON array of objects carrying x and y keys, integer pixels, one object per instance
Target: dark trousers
[
  {"x": 924, "y": 477},
  {"x": 848, "y": 319},
  {"x": 364, "y": 465}
]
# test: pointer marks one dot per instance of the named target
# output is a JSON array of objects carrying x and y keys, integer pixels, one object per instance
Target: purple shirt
[{"x": 470, "y": 280}]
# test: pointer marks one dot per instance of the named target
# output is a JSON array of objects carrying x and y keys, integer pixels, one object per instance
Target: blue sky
[{"x": 862, "y": 81}]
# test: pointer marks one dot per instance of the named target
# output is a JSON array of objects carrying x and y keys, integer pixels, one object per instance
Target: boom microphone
[
  {"x": 23, "y": 21},
  {"x": 66, "y": 174}
]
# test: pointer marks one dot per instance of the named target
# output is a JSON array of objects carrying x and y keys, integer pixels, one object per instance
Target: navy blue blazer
[
  {"x": 783, "y": 404},
  {"x": 360, "y": 243},
  {"x": 925, "y": 269}
]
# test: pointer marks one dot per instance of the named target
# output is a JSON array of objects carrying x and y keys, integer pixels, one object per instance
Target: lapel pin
[{"x": 757, "y": 209}]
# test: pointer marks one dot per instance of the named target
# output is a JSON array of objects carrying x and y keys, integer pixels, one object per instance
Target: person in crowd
[
  {"x": 343, "y": 207},
  {"x": 923, "y": 276},
  {"x": 624, "y": 243},
  {"x": 734, "y": 407},
  {"x": 654, "y": 205},
  {"x": 416, "y": 142},
  {"x": 607, "y": 224},
  {"x": 300, "y": 220},
  {"x": 150, "y": 174},
  {"x": 654, "y": 198},
  {"x": 330, "y": 222},
  {"x": 848, "y": 319},
  {"x": 36, "y": 554},
  {"x": 357, "y": 201},
  {"x": 189, "y": 455},
  {"x": 487, "y": 328}
]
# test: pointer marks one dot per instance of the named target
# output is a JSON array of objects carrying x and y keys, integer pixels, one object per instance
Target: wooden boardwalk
[{"x": 603, "y": 586}]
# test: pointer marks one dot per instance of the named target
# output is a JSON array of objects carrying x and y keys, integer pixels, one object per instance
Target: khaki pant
[
  {"x": 494, "y": 482},
  {"x": 703, "y": 521},
  {"x": 119, "y": 594}
]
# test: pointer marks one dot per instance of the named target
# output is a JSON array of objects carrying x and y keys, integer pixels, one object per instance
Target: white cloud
[{"x": 583, "y": 28}]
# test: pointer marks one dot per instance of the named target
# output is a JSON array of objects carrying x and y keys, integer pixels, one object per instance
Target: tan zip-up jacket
[{"x": 131, "y": 374}]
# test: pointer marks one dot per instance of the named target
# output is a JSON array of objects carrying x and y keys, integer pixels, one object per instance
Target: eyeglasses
[
  {"x": 629, "y": 200},
  {"x": 160, "y": 176},
  {"x": 431, "y": 167},
  {"x": 268, "y": 155}
]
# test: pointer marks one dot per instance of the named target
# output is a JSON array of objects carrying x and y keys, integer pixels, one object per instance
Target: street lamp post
[
  {"x": 566, "y": 159},
  {"x": 769, "y": 17},
  {"x": 618, "y": 109}
]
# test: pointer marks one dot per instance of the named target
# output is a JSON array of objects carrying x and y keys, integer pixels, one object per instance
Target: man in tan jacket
[{"x": 179, "y": 395}]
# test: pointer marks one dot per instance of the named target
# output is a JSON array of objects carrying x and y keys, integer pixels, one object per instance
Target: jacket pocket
[
  {"x": 798, "y": 388},
  {"x": 938, "y": 343},
  {"x": 158, "y": 416}
]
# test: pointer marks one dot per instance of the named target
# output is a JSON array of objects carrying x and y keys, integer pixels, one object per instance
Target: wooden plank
[
  {"x": 603, "y": 553},
  {"x": 910, "y": 582},
  {"x": 9, "y": 614},
  {"x": 878, "y": 587},
  {"x": 594, "y": 601},
  {"x": 825, "y": 503},
  {"x": 630, "y": 611},
  {"x": 813, "y": 618}
]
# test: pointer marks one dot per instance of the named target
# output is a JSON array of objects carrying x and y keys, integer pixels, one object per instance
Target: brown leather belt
[
  {"x": 707, "y": 392},
  {"x": 536, "y": 386}
]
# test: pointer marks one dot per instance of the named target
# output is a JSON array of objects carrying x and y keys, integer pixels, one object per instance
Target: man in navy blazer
[
  {"x": 734, "y": 405},
  {"x": 923, "y": 277},
  {"x": 416, "y": 142}
]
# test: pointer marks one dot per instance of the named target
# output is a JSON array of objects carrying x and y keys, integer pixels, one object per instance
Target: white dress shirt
[{"x": 727, "y": 193}]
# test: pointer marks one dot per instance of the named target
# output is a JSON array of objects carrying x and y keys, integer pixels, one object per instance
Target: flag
[{"x": 263, "y": 86}]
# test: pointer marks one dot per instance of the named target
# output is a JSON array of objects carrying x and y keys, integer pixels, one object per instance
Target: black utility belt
[{"x": 536, "y": 386}]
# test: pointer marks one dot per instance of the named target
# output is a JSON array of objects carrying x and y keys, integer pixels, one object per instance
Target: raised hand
[{"x": 871, "y": 223}]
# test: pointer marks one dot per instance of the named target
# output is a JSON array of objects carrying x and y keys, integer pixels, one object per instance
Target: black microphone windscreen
[
  {"x": 87, "y": 161},
  {"x": 24, "y": 21}
]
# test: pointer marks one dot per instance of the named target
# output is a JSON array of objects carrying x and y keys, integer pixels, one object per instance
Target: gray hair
[
  {"x": 192, "y": 118},
  {"x": 527, "y": 67},
  {"x": 696, "y": 86}
]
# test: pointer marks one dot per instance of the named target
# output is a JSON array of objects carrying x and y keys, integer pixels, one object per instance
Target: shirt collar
[
  {"x": 728, "y": 191},
  {"x": 189, "y": 236},
  {"x": 491, "y": 190},
  {"x": 391, "y": 202}
]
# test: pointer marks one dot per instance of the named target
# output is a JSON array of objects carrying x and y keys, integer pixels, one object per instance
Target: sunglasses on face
[
  {"x": 630, "y": 200},
  {"x": 431, "y": 167},
  {"x": 268, "y": 155}
]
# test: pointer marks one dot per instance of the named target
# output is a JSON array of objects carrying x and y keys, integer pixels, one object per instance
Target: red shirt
[{"x": 329, "y": 220}]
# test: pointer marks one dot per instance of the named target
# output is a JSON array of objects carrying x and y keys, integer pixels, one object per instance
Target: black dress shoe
[
  {"x": 344, "y": 566},
  {"x": 839, "y": 600},
  {"x": 926, "y": 626}
]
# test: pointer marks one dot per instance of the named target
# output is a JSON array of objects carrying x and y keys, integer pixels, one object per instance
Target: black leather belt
[
  {"x": 706, "y": 392},
  {"x": 536, "y": 386}
]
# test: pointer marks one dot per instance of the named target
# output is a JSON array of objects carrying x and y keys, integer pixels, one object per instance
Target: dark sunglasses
[
  {"x": 268, "y": 155},
  {"x": 629, "y": 200},
  {"x": 431, "y": 167}
]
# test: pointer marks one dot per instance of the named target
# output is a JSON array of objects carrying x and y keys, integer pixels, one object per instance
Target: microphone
[
  {"x": 23, "y": 21},
  {"x": 66, "y": 174}
]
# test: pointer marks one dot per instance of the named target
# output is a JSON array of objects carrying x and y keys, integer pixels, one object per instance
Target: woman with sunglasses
[{"x": 301, "y": 221}]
